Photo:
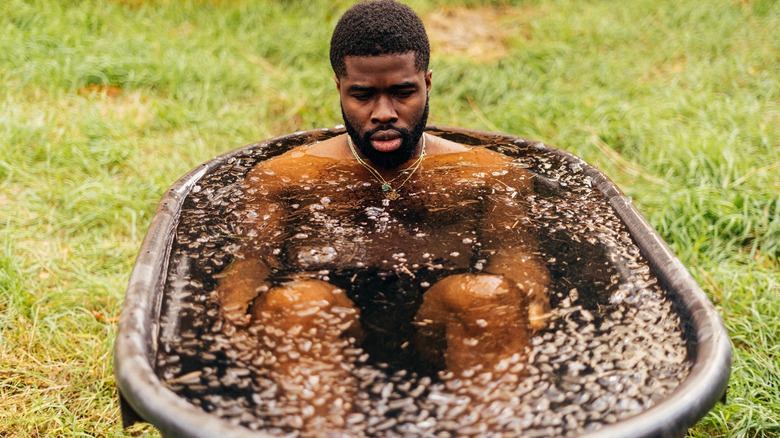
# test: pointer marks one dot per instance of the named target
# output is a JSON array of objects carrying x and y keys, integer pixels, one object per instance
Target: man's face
[{"x": 384, "y": 101}]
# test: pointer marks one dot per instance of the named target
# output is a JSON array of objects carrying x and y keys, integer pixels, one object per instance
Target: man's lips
[{"x": 386, "y": 141}]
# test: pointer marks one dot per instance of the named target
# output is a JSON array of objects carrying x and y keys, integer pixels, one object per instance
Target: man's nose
[{"x": 384, "y": 111}]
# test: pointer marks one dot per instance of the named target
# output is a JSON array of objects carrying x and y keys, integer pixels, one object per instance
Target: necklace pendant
[
  {"x": 392, "y": 195},
  {"x": 385, "y": 187}
]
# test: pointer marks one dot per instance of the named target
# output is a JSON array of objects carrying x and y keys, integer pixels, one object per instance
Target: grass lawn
[{"x": 104, "y": 104}]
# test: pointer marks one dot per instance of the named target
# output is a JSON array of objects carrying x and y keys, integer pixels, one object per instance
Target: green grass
[{"x": 678, "y": 101}]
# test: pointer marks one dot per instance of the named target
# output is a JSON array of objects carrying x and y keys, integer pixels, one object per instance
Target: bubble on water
[{"x": 317, "y": 256}]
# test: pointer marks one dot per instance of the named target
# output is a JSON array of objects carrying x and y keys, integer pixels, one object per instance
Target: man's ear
[
  {"x": 428, "y": 77},
  {"x": 338, "y": 83}
]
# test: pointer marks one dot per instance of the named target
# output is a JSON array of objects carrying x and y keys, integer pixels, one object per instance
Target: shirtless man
[{"x": 418, "y": 238}]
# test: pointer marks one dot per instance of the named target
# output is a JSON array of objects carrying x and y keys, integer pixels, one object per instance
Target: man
[{"x": 412, "y": 246}]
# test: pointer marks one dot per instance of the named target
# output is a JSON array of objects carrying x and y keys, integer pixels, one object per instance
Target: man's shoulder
[
  {"x": 334, "y": 148},
  {"x": 463, "y": 161},
  {"x": 446, "y": 150},
  {"x": 441, "y": 146},
  {"x": 300, "y": 162}
]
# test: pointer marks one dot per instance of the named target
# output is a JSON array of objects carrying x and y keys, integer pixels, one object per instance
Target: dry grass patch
[{"x": 480, "y": 34}]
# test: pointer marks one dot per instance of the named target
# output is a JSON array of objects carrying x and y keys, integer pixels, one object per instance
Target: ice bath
[{"x": 628, "y": 344}]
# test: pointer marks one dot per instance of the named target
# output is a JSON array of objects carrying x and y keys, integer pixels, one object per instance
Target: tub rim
[{"x": 143, "y": 396}]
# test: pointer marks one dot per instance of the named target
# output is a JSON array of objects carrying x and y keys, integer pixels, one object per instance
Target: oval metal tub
[{"x": 144, "y": 397}]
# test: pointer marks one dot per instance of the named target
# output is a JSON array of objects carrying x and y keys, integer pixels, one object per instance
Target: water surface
[{"x": 613, "y": 347}]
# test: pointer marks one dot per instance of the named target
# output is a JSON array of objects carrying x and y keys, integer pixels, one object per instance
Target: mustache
[{"x": 401, "y": 131}]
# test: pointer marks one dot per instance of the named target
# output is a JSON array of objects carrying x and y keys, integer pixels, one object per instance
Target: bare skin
[
  {"x": 306, "y": 325},
  {"x": 485, "y": 317},
  {"x": 315, "y": 209},
  {"x": 447, "y": 162}
]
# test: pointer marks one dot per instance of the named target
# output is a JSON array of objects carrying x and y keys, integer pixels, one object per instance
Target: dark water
[{"x": 614, "y": 345}]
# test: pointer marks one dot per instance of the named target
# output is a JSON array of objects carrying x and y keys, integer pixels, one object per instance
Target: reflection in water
[{"x": 612, "y": 347}]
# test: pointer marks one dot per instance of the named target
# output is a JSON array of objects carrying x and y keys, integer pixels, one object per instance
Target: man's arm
[
  {"x": 260, "y": 231},
  {"x": 511, "y": 249}
]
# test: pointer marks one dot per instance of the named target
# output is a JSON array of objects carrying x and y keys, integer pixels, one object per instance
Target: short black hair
[{"x": 379, "y": 27}]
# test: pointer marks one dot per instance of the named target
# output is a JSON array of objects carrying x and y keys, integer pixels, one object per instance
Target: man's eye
[
  {"x": 362, "y": 96},
  {"x": 404, "y": 94}
]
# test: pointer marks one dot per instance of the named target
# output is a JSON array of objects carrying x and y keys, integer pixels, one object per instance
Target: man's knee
[
  {"x": 300, "y": 297},
  {"x": 297, "y": 293},
  {"x": 472, "y": 319},
  {"x": 306, "y": 303},
  {"x": 471, "y": 292}
]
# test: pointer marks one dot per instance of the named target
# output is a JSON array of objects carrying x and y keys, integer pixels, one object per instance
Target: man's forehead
[{"x": 394, "y": 63}]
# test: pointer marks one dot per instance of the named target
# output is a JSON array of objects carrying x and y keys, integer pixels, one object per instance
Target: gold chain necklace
[{"x": 390, "y": 192}]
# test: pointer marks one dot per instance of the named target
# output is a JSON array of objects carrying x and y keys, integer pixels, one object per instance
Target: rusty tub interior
[{"x": 632, "y": 346}]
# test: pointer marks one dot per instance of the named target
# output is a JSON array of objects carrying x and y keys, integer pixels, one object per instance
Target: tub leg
[{"x": 129, "y": 415}]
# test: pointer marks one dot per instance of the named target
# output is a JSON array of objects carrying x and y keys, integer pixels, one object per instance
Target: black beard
[{"x": 389, "y": 160}]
